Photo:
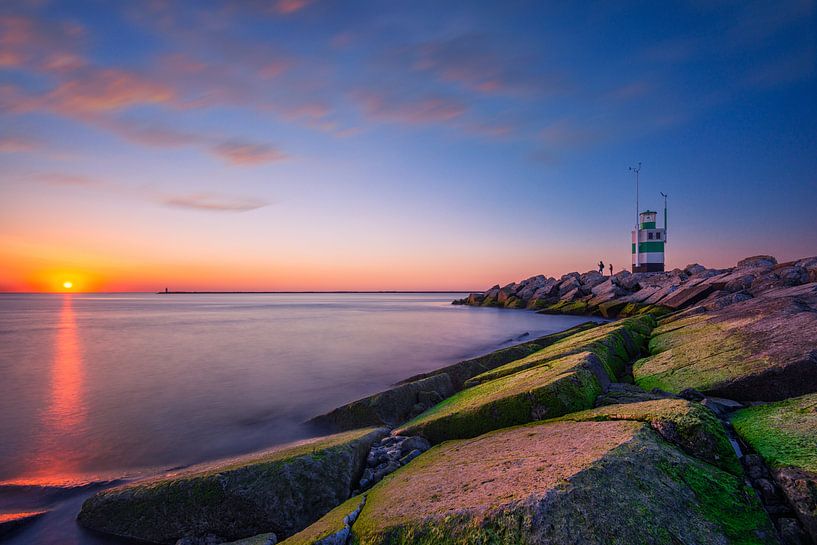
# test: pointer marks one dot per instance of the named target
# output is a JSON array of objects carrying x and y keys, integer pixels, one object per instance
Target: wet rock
[
  {"x": 280, "y": 491},
  {"x": 414, "y": 443},
  {"x": 410, "y": 456},
  {"x": 691, "y": 394},
  {"x": 791, "y": 533},
  {"x": 767, "y": 491}
]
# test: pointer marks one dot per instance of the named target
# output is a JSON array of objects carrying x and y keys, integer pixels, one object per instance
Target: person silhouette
[
  {"x": 611, "y": 269},
  {"x": 601, "y": 266}
]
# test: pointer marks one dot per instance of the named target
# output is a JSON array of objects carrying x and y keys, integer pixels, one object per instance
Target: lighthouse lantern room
[{"x": 648, "y": 243}]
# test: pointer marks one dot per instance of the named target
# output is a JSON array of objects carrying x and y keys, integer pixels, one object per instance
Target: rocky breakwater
[
  {"x": 607, "y": 433},
  {"x": 626, "y": 294}
]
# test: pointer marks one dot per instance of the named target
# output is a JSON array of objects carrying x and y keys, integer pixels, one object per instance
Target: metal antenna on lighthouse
[
  {"x": 665, "y": 214},
  {"x": 636, "y": 170}
]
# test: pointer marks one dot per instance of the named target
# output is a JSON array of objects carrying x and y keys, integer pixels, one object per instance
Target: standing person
[
  {"x": 601, "y": 266},
  {"x": 611, "y": 269}
]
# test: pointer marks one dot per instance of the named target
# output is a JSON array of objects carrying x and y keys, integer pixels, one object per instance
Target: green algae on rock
[
  {"x": 614, "y": 344},
  {"x": 785, "y": 435},
  {"x": 551, "y": 389},
  {"x": 689, "y": 425},
  {"x": 333, "y": 528},
  {"x": 759, "y": 349},
  {"x": 562, "y": 482},
  {"x": 464, "y": 370},
  {"x": 281, "y": 491}
]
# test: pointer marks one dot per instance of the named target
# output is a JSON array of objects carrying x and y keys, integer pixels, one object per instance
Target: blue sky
[{"x": 302, "y": 144}]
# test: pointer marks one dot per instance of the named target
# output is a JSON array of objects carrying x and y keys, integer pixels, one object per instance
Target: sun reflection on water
[{"x": 53, "y": 461}]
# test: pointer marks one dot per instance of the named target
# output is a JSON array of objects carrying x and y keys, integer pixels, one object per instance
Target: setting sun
[{"x": 68, "y": 285}]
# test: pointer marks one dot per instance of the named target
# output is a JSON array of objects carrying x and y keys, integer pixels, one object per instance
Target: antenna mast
[
  {"x": 637, "y": 170},
  {"x": 665, "y": 215}
]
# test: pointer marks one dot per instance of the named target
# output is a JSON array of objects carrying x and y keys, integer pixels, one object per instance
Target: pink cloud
[
  {"x": 18, "y": 144},
  {"x": 290, "y": 6},
  {"x": 106, "y": 89},
  {"x": 410, "y": 109},
  {"x": 63, "y": 179},
  {"x": 247, "y": 153},
  {"x": 31, "y": 43}
]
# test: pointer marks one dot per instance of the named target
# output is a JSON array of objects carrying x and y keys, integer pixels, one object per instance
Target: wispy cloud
[
  {"x": 64, "y": 179},
  {"x": 406, "y": 108},
  {"x": 18, "y": 144},
  {"x": 291, "y": 6},
  {"x": 212, "y": 203},
  {"x": 477, "y": 63},
  {"x": 247, "y": 153}
]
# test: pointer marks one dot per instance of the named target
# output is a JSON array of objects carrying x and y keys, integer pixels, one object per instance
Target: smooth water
[{"x": 102, "y": 386}]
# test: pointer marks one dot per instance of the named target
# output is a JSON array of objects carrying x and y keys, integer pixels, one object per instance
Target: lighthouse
[{"x": 648, "y": 243}]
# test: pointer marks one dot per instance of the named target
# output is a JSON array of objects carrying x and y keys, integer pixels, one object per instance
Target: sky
[{"x": 322, "y": 145}]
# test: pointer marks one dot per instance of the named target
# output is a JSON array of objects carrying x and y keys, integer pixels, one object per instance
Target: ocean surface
[{"x": 98, "y": 387}]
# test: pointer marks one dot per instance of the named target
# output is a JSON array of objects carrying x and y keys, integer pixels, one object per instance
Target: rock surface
[
  {"x": 567, "y": 482},
  {"x": 333, "y": 529},
  {"x": 785, "y": 435},
  {"x": 689, "y": 425},
  {"x": 387, "y": 408},
  {"x": 763, "y": 348},
  {"x": 279, "y": 491},
  {"x": 614, "y": 344},
  {"x": 548, "y": 390}
]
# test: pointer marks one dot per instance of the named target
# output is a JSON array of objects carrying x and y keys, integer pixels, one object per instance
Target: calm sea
[{"x": 105, "y": 386}]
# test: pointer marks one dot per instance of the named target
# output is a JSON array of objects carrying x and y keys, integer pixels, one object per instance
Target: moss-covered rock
[
  {"x": 464, "y": 370},
  {"x": 564, "y": 482},
  {"x": 261, "y": 539},
  {"x": 387, "y": 408},
  {"x": 281, "y": 491},
  {"x": 760, "y": 349},
  {"x": 614, "y": 344},
  {"x": 785, "y": 435},
  {"x": 551, "y": 389},
  {"x": 333, "y": 528},
  {"x": 689, "y": 425}
]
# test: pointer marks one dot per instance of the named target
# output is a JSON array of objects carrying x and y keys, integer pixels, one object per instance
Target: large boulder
[
  {"x": 689, "y": 425},
  {"x": 548, "y": 390},
  {"x": 614, "y": 344},
  {"x": 765, "y": 261},
  {"x": 592, "y": 483},
  {"x": 785, "y": 435},
  {"x": 759, "y": 349},
  {"x": 280, "y": 491}
]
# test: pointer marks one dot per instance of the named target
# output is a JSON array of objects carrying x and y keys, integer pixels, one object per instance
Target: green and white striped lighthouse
[{"x": 648, "y": 243}]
